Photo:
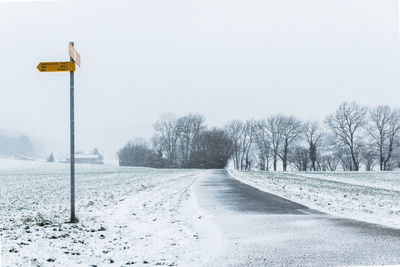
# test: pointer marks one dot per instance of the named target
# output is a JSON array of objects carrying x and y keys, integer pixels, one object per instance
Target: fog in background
[{"x": 226, "y": 59}]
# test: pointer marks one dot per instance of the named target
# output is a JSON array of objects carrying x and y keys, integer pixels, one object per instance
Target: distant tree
[
  {"x": 330, "y": 153},
  {"x": 166, "y": 130},
  {"x": 273, "y": 128},
  {"x": 300, "y": 158},
  {"x": 262, "y": 146},
  {"x": 242, "y": 135},
  {"x": 346, "y": 160},
  {"x": 25, "y": 146},
  {"x": 369, "y": 157},
  {"x": 291, "y": 128},
  {"x": 158, "y": 145},
  {"x": 313, "y": 137},
  {"x": 247, "y": 138},
  {"x": 347, "y": 123},
  {"x": 234, "y": 131},
  {"x": 50, "y": 158},
  {"x": 137, "y": 153},
  {"x": 95, "y": 151},
  {"x": 215, "y": 150},
  {"x": 16, "y": 146},
  {"x": 330, "y": 162},
  {"x": 189, "y": 128},
  {"x": 384, "y": 131}
]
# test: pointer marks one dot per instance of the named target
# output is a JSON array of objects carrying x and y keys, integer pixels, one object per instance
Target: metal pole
[{"x": 72, "y": 140}]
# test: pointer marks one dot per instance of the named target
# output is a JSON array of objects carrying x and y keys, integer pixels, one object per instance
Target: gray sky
[{"x": 226, "y": 59}]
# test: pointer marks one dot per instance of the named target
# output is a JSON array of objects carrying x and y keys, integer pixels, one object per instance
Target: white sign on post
[{"x": 74, "y": 54}]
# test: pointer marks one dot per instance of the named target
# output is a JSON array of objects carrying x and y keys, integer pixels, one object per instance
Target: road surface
[{"x": 261, "y": 229}]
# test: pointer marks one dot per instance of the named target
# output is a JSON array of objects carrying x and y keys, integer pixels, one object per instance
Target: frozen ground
[
  {"x": 128, "y": 216},
  {"x": 369, "y": 196}
]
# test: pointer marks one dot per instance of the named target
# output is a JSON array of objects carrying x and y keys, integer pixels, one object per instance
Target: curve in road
[{"x": 261, "y": 229}]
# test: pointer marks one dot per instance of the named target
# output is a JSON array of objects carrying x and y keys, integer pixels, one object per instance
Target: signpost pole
[
  {"x": 72, "y": 140},
  {"x": 74, "y": 59}
]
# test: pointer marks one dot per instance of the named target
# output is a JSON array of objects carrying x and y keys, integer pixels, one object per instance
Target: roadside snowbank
[
  {"x": 211, "y": 241},
  {"x": 127, "y": 216},
  {"x": 368, "y": 196}
]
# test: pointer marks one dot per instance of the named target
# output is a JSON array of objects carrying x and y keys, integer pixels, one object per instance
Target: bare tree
[
  {"x": 330, "y": 154},
  {"x": 384, "y": 129},
  {"x": 300, "y": 158},
  {"x": 263, "y": 146},
  {"x": 158, "y": 145},
  {"x": 291, "y": 128},
  {"x": 313, "y": 137},
  {"x": 369, "y": 157},
  {"x": 167, "y": 132},
  {"x": 234, "y": 130},
  {"x": 346, "y": 123},
  {"x": 393, "y": 137},
  {"x": 247, "y": 138},
  {"x": 273, "y": 129},
  {"x": 330, "y": 162},
  {"x": 346, "y": 160},
  {"x": 190, "y": 128}
]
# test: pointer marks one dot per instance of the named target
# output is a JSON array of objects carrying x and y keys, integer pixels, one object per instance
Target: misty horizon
[{"x": 224, "y": 60}]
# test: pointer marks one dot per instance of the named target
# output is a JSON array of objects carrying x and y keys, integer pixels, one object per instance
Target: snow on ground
[
  {"x": 127, "y": 216},
  {"x": 369, "y": 196}
]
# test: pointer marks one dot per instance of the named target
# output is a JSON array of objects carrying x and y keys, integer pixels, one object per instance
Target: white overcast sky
[{"x": 226, "y": 59}]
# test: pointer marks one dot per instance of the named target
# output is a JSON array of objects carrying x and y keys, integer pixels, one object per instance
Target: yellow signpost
[
  {"x": 68, "y": 66},
  {"x": 56, "y": 66}
]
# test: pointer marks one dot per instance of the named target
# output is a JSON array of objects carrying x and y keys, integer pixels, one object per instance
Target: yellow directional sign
[
  {"x": 56, "y": 66},
  {"x": 75, "y": 58},
  {"x": 74, "y": 54}
]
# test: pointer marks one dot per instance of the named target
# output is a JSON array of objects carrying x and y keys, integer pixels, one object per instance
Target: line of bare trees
[
  {"x": 179, "y": 142},
  {"x": 266, "y": 141},
  {"x": 176, "y": 138},
  {"x": 352, "y": 137}
]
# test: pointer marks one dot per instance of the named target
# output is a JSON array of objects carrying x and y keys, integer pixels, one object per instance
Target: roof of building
[{"x": 84, "y": 156}]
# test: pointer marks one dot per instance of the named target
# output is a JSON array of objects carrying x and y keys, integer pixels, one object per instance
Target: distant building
[{"x": 87, "y": 159}]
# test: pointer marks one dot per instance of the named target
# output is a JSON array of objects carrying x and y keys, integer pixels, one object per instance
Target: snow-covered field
[
  {"x": 369, "y": 196},
  {"x": 126, "y": 216}
]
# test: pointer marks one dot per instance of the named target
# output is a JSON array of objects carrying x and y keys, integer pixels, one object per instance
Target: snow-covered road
[{"x": 261, "y": 229}]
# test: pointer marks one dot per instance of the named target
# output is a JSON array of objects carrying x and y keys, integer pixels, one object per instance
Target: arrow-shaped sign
[{"x": 56, "y": 66}]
